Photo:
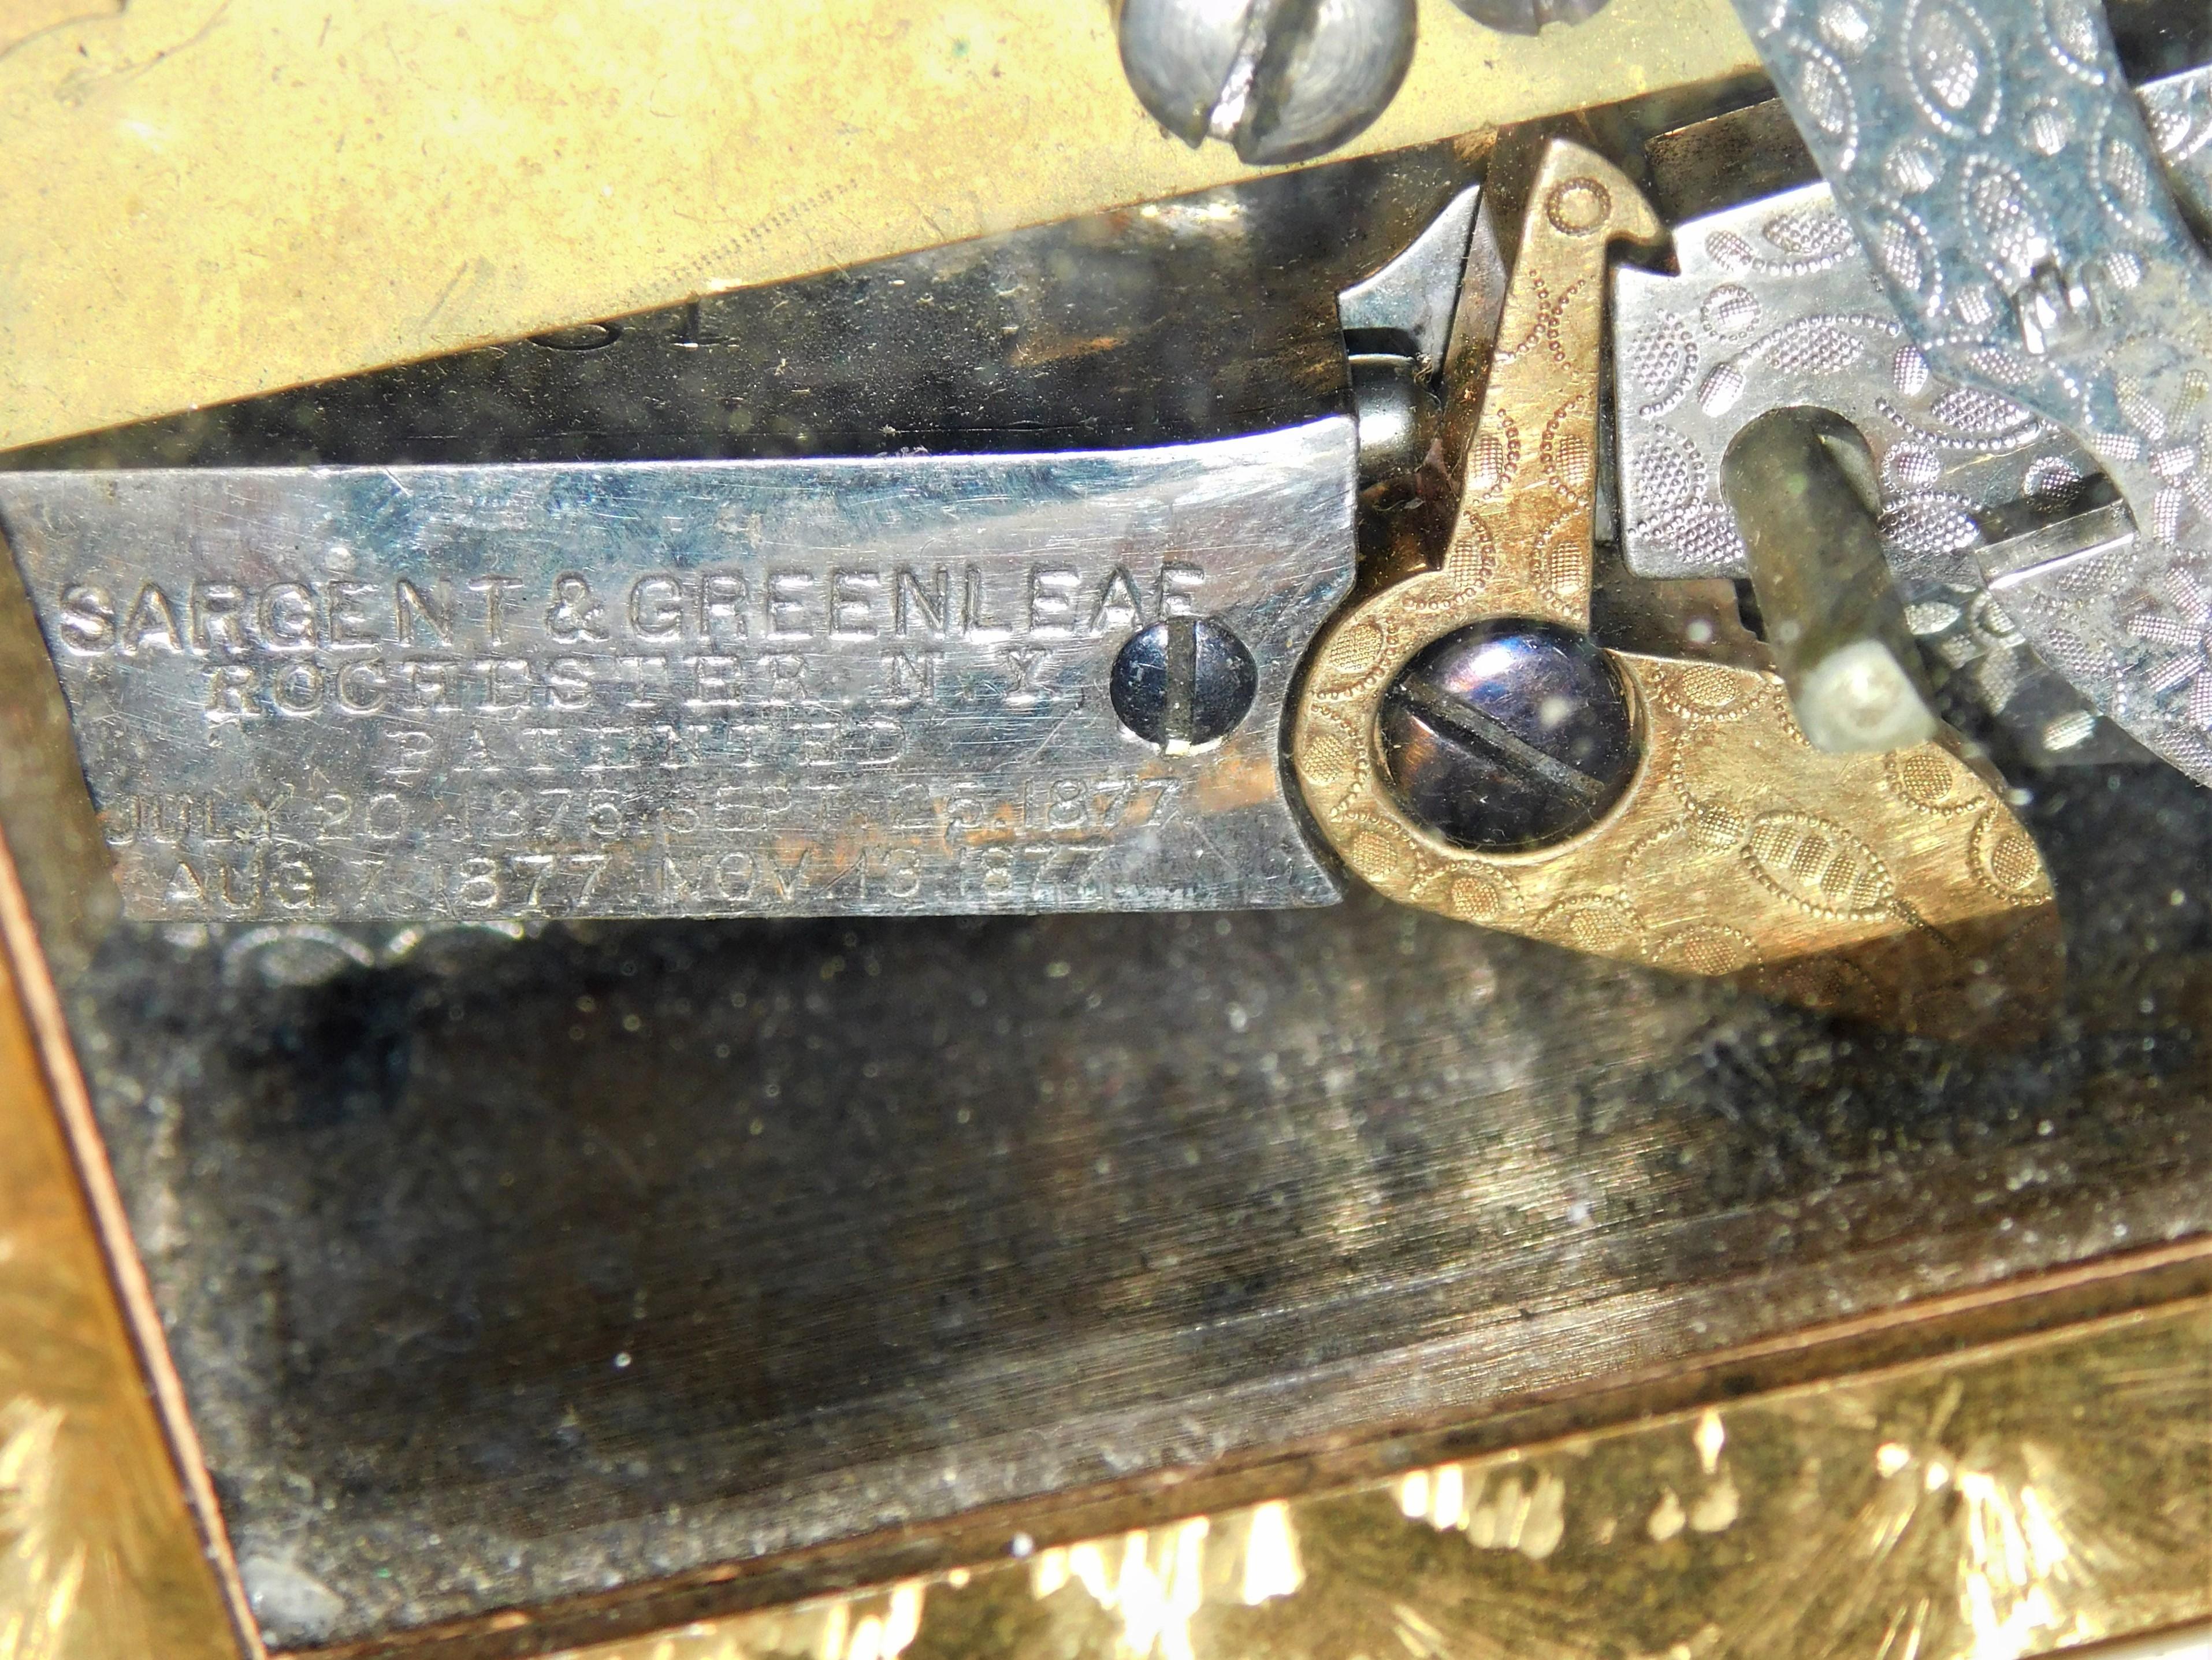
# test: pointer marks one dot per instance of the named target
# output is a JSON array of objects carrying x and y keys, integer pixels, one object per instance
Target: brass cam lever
[{"x": 1466, "y": 746}]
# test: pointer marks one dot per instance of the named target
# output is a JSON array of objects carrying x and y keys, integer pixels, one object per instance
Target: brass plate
[
  {"x": 1899, "y": 887},
  {"x": 100, "y": 1558},
  {"x": 209, "y": 199},
  {"x": 2010, "y": 1501}
]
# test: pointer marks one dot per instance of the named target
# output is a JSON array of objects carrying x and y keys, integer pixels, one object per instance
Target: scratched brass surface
[
  {"x": 100, "y": 1557},
  {"x": 208, "y": 199},
  {"x": 1899, "y": 887},
  {"x": 22, "y": 19},
  {"x": 2006, "y": 1502}
]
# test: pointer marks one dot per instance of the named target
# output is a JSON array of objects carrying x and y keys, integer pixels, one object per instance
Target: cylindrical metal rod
[{"x": 1833, "y": 620}]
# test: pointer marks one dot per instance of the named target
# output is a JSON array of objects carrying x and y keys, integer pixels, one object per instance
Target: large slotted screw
[
  {"x": 1281, "y": 80},
  {"x": 1508, "y": 735}
]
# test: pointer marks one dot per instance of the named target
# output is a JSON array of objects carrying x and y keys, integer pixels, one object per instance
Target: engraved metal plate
[
  {"x": 780, "y": 688},
  {"x": 1777, "y": 306},
  {"x": 1992, "y": 160}
]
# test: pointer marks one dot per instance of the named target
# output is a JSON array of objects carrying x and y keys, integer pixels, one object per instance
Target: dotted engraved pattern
[
  {"x": 1738, "y": 849},
  {"x": 1764, "y": 316},
  {"x": 1750, "y": 326},
  {"x": 2005, "y": 185}
]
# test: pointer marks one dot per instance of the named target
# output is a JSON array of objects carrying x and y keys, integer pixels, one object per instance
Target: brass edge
[
  {"x": 66, "y": 875},
  {"x": 832, "y": 1627},
  {"x": 28, "y": 985},
  {"x": 1991, "y": 1319},
  {"x": 2188, "y": 1642}
]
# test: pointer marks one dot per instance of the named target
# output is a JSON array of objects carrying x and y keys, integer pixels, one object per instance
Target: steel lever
[
  {"x": 915, "y": 683},
  {"x": 880, "y": 685},
  {"x": 1998, "y": 172}
]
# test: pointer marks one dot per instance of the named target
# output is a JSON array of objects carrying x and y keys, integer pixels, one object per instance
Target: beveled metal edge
[
  {"x": 2010, "y": 1511},
  {"x": 154, "y": 1449},
  {"x": 1261, "y": 523},
  {"x": 1917, "y": 1334}
]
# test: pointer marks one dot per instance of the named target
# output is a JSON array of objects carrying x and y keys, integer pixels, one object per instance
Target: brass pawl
[{"x": 1897, "y": 886}]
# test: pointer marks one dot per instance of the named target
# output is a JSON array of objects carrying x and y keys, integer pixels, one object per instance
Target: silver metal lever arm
[
  {"x": 1991, "y": 158},
  {"x": 894, "y": 685}
]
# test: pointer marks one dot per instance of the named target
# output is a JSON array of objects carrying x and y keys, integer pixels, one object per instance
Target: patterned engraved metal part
[
  {"x": 2177, "y": 110},
  {"x": 1775, "y": 306},
  {"x": 2004, "y": 182},
  {"x": 477, "y": 694},
  {"x": 1898, "y": 887}
]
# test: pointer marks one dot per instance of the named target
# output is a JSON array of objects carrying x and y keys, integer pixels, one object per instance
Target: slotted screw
[
  {"x": 1183, "y": 682},
  {"x": 1281, "y": 80},
  {"x": 1508, "y": 735}
]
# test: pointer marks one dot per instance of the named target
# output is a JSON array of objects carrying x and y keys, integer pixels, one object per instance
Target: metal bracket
[
  {"x": 712, "y": 687},
  {"x": 1776, "y": 307},
  {"x": 1988, "y": 154},
  {"x": 1885, "y": 886}
]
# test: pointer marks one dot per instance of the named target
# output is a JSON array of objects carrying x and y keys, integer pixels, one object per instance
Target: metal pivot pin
[
  {"x": 1833, "y": 620},
  {"x": 1459, "y": 743}
]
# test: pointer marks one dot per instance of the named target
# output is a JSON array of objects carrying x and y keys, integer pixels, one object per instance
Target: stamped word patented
[{"x": 680, "y": 689}]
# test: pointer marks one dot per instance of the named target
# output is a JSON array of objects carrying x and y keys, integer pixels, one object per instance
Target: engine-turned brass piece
[{"x": 1898, "y": 887}]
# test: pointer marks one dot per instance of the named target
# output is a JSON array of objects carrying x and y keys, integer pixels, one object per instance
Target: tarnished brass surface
[
  {"x": 208, "y": 199},
  {"x": 100, "y": 1556},
  {"x": 22, "y": 19},
  {"x": 2007, "y": 1502},
  {"x": 45, "y": 809},
  {"x": 1899, "y": 887},
  {"x": 2100, "y": 1434}
]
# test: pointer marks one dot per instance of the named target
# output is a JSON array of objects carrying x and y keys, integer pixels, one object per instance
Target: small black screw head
[
  {"x": 1508, "y": 735},
  {"x": 1183, "y": 682}
]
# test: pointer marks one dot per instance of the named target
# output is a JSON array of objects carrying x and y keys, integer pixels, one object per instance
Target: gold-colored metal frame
[{"x": 1898, "y": 887}]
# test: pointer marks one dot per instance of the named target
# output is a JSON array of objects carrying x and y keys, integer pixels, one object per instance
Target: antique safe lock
[{"x": 1291, "y": 827}]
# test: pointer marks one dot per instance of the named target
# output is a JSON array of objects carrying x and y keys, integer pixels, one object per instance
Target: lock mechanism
[{"x": 1465, "y": 746}]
